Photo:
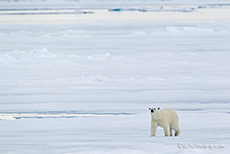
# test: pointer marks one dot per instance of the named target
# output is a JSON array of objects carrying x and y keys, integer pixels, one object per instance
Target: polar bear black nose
[{"x": 152, "y": 110}]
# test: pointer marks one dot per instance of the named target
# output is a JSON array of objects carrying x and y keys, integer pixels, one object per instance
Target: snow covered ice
[{"x": 74, "y": 82}]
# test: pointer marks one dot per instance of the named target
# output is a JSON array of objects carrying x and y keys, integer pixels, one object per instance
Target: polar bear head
[{"x": 154, "y": 110}]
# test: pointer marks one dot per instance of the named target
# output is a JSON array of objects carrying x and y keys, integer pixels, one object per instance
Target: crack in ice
[{"x": 55, "y": 114}]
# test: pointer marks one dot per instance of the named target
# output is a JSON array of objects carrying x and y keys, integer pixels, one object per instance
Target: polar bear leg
[
  {"x": 176, "y": 128},
  {"x": 166, "y": 130},
  {"x": 177, "y": 132},
  {"x": 153, "y": 131},
  {"x": 171, "y": 132}
]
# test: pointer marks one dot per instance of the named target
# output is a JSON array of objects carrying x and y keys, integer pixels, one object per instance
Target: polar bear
[{"x": 166, "y": 118}]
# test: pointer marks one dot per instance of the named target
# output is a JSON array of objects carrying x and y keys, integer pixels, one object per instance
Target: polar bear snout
[{"x": 152, "y": 110}]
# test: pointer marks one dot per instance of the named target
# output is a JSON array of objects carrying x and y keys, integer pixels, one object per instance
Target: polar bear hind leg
[
  {"x": 177, "y": 132},
  {"x": 166, "y": 130},
  {"x": 176, "y": 128},
  {"x": 171, "y": 132}
]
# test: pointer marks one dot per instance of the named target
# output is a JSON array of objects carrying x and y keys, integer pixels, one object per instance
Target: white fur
[{"x": 166, "y": 118}]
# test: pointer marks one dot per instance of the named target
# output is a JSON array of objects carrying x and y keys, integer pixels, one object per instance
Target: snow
[
  {"x": 82, "y": 83},
  {"x": 112, "y": 134}
]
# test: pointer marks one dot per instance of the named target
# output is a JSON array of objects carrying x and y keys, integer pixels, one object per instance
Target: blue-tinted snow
[{"x": 86, "y": 87}]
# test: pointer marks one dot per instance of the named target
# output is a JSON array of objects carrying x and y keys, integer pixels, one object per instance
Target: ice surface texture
[{"x": 86, "y": 87}]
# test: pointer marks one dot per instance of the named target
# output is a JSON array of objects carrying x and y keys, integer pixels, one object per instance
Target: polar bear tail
[{"x": 177, "y": 132}]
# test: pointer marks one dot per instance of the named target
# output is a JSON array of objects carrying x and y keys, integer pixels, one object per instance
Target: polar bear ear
[{"x": 158, "y": 108}]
